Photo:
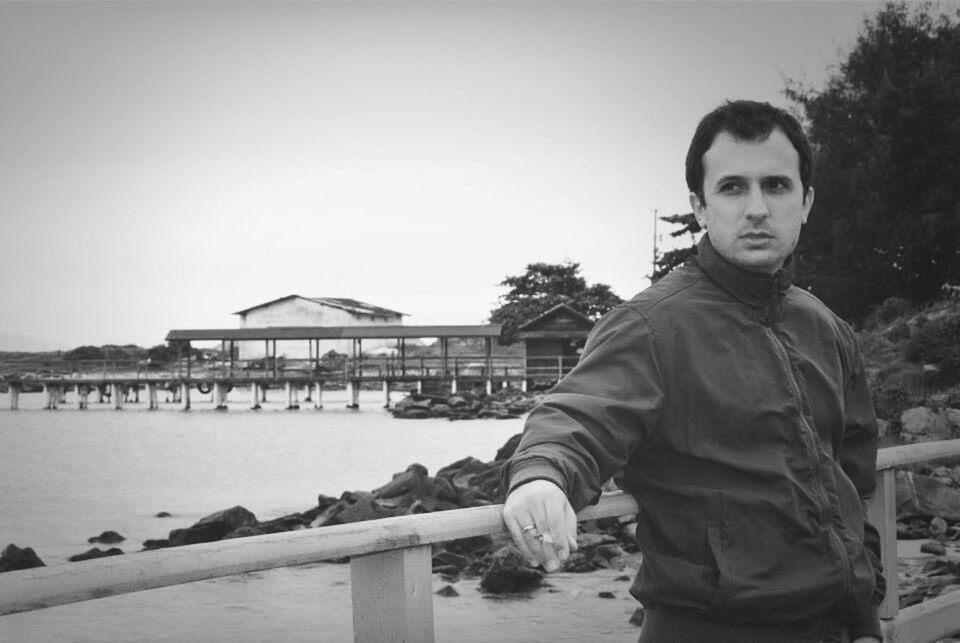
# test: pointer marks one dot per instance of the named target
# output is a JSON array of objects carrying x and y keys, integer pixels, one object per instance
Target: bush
[
  {"x": 937, "y": 341},
  {"x": 890, "y": 402}
]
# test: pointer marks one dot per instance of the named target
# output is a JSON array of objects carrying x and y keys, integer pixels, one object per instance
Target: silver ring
[
  {"x": 545, "y": 538},
  {"x": 528, "y": 528}
]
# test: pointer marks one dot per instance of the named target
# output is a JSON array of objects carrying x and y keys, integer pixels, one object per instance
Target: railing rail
[{"x": 391, "y": 578}]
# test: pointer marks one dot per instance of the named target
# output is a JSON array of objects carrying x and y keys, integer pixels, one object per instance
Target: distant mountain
[{"x": 16, "y": 342}]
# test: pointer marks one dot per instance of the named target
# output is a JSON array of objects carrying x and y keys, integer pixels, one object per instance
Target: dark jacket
[{"x": 734, "y": 407}]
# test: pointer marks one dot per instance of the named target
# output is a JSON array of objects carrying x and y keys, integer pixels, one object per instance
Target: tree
[
  {"x": 886, "y": 137},
  {"x": 544, "y": 286},
  {"x": 671, "y": 259}
]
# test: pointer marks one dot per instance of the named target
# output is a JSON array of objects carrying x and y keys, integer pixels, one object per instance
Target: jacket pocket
[{"x": 677, "y": 567}]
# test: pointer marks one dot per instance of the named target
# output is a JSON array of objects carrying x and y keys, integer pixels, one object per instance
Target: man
[{"x": 734, "y": 407}]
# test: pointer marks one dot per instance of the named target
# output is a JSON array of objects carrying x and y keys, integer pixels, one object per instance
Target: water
[{"x": 68, "y": 475}]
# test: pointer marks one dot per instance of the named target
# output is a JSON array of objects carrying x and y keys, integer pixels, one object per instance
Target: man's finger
[{"x": 523, "y": 532}]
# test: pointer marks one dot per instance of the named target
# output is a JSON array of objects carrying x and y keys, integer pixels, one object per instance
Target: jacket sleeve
[
  {"x": 858, "y": 459},
  {"x": 585, "y": 429}
]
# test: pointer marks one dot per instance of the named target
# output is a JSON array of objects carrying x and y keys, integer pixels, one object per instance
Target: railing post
[
  {"x": 882, "y": 513},
  {"x": 393, "y": 596}
]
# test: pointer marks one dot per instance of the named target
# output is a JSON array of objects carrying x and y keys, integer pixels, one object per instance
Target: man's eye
[
  {"x": 777, "y": 185},
  {"x": 730, "y": 187}
]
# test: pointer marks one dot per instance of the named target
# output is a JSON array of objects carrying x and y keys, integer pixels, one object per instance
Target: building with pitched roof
[{"x": 296, "y": 310}]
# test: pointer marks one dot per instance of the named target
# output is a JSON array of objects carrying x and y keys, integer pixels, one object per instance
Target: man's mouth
[{"x": 756, "y": 236}]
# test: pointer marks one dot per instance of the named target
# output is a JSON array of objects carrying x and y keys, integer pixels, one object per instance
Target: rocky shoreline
[{"x": 928, "y": 510}]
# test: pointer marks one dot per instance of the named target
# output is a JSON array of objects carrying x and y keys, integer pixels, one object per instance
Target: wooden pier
[{"x": 118, "y": 383}]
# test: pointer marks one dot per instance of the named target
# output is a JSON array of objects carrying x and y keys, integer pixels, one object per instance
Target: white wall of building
[{"x": 300, "y": 311}]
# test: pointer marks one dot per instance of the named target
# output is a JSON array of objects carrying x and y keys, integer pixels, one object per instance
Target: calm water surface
[{"x": 68, "y": 475}]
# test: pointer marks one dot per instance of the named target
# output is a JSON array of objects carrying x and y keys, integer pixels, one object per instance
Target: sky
[{"x": 164, "y": 165}]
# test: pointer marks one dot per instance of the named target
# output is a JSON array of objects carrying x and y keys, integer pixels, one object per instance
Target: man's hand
[{"x": 542, "y": 523}]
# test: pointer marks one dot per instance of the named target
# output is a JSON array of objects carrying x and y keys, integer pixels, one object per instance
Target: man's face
[{"x": 755, "y": 204}]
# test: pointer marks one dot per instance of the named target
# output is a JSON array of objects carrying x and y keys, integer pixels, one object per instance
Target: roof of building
[
  {"x": 331, "y": 332},
  {"x": 350, "y": 305},
  {"x": 560, "y": 310}
]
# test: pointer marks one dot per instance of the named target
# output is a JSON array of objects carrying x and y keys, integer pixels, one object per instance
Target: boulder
[
  {"x": 925, "y": 497},
  {"x": 355, "y": 506},
  {"x": 96, "y": 552},
  {"x": 107, "y": 538},
  {"x": 13, "y": 558},
  {"x": 922, "y": 424},
  {"x": 410, "y": 481},
  {"x": 509, "y": 573},
  {"x": 155, "y": 543},
  {"x": 213, "y": 527}
]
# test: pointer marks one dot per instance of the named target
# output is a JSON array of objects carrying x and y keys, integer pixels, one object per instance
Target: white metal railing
[{"x": 391, "y": 575}]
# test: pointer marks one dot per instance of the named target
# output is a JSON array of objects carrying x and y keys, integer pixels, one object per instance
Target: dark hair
[{"x": 746, "y": 120}]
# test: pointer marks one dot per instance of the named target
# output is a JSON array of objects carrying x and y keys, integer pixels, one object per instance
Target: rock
[
  {"x": 156, "y": 543},
  {"x": 447, "y": 590},
  {"x": 411, "y": 481},
  {"x": 13, "y": 558},
  {"x": 933, "y": 547},
  {"x": 244, "y": 532},
  {"x": 289, "y": 522},
  {"x": 448, "y": 562},
  {"x": 96, "y": 552},
  {"x": 606, "y": 594},
  {"x": 194, "y": 535},
  {"x": 213, "y": 527},
  {"x": 164, "y": 514},
  {"x": 637, "y": 618},
  {"x": 923, "y": 497},
  {"x": 938, "y": 528},
  {"x": 354, "y": 506},
  {"x": 953, "y": 417},
  {"x": 922, "y": 424},
  {"x": 509, "y": 573},
  {"x": 107, "y": 538}
]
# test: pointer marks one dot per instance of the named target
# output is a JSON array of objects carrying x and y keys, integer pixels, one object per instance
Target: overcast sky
[{"x": 163, "y": 165}]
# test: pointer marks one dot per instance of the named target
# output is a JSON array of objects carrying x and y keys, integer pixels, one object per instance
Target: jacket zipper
[{"x": 823, "y": 503}]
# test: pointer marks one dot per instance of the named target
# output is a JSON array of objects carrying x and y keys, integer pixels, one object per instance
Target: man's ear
[
  {"x": 697, "y": 206},
  {"x": 807, "y": 204}
]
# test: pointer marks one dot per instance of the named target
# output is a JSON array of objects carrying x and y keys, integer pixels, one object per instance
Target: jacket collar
[{"x": 752, "y": 288}]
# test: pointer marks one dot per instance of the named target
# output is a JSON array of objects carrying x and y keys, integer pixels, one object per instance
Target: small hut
[{"x": 552, "y": 344}]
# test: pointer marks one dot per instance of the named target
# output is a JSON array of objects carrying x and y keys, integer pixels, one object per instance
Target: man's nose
[{"x": 756, "y": 203}]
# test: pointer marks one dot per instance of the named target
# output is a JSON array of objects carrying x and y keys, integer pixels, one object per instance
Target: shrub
[
  {"x": 889, "y": 402},
  {"x": 937, "y": 341}
]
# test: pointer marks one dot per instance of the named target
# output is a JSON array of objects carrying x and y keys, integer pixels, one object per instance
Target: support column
[
  {"x": 453, "y": 385},
  {"x": 14, "y": 392},
  {"x": 184, "y": 396},
  {"x": 49, "y": 394},
  {"x": 419, "y": 386},
  {"x": 81, "y": 393},
  {"x": 254, "y": 400},
  {"x": 489, "y": 386},
  {"x": 116, "y": 392},
  {"x": 220, "y": 396},
  {"x": 318, "y": 395},
  {"x": 293, "y": 400},
  {"x": 386, "y": 394},
  {"x": 152, "y": 402},
  {"x": 523, "y": 385},
  {"x": 392, "y": 595},
  {"x": 353, "y": 394}
]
